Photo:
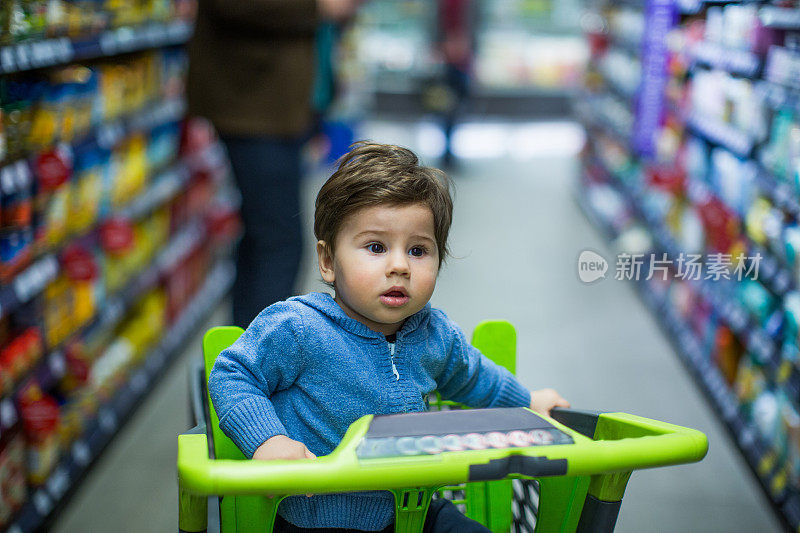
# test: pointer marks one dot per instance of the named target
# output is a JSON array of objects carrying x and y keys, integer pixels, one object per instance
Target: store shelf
[
  {"x": 52, "y": 366},
  {"x": 592, "y": 113},
  {"x": 36, "y": 277},
  {"x": 781, "y": 194},
  {"x": 627, "y": 45},
  {"x": 781, "y": 372},
  {"x": 721, "y": 57},
  {"x": 782, "y": 67},
  {"x": 721, "y": 133},
  {"x": 28, "y": 284},
  {"x": 773, "y": 273},
  {"x": 114, "y": 414},
  {"x": 618, "y": 85},
  {"x": 759, "y": 455},
  {"x": 781, "y": 18},
  {"x": 50, "y": 52},
  {"x": 109, "y": 134}
]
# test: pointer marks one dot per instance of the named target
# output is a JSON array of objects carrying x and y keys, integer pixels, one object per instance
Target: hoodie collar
[{"x": 325, "y": 304}]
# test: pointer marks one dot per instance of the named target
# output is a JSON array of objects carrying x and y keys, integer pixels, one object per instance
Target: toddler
[{"x": 307, "y": 367}]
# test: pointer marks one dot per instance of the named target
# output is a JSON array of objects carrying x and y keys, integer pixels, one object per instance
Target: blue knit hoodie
[{"x": 305, "y": 369}]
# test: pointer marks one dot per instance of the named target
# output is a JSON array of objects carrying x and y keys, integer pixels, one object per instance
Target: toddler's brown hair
[{"x": 373, "y": 174}]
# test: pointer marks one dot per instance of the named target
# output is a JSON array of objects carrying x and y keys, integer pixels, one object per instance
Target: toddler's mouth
[{"x": 394, "y": 297}]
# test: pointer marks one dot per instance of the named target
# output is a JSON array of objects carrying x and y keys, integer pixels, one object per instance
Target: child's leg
[{"x": 444, "y": 517}]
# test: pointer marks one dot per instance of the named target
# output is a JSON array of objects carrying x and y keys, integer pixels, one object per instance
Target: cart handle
[{"x": 622, "y": 442}]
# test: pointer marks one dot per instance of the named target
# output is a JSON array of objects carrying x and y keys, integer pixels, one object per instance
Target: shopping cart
[{"x": 569, "y": 471}]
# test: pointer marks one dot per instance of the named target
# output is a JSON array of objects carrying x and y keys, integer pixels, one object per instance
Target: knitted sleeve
[
  {"x": 473, "y": 379},
  {"x": 268, "y": 357}
]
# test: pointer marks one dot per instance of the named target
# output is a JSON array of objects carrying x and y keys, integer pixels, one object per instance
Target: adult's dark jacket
[{"x": 251, "y": 65}]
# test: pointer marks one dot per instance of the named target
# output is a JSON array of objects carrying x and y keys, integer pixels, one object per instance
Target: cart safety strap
[{"x": 517, "y": 464}]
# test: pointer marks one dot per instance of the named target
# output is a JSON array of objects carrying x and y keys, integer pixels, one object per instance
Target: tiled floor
[{"x": 516, "y": 237}]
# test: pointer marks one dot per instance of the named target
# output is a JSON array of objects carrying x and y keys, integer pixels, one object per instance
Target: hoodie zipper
[{"x": 391, "y": 356}]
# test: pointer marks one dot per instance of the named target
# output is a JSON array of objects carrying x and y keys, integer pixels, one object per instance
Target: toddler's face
[{"x": 385, "y": 265}]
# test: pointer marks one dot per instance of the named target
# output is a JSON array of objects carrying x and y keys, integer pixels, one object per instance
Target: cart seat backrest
[{"x": 214, "y": 341}]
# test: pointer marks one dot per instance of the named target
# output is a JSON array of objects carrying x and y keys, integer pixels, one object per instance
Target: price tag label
[
  {"x": 108, "y": 420},
  {"x": 778, "y": 483},
  {"x": 23, "y": 56},
  {"x": 746, "y": 437},
  {"x": 113, "y": 312},
  {"x": 7, "y": 60},
  {"x": 730, "y": 408},
  {"x": 58, "y": 364},
  {"x": 139, "y": 382},
  {"x": 8, "y": 413},
  {"x": 42, "y": 502},
  {"x": 81, "y": 454},
  {"x": 58, "y": 483},
  {"x": 766, "y": 464},
  {"x": 42, "y": 53},
  {"x": 782, "y": 281},
  {"x": 784, "y": 371},
  {"x": 62, "y": 49}
]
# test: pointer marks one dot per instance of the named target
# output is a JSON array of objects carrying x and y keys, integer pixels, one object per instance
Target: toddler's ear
[{"x": 325, "y": 262}]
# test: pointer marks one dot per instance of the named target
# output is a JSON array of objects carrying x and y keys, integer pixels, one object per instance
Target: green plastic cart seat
[{"x": 581, "y": 477}]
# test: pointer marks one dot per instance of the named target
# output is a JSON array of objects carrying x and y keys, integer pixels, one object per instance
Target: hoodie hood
[{"x": 325, "y": 304}]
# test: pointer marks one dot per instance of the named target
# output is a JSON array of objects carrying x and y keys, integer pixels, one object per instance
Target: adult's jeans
[{"x": 267, "y": 172}]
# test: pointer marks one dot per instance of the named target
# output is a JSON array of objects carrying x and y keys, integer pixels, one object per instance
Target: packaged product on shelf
[
  {"x": 184, "y": 280},
  {"x": 131, "y": 170},
  {"x": 163, "y": 144},
  {"x": 781, "y": 153},
  {"x": 16, "y": 212},
  {"x": 733, "y": 179},
  {"x": 727, "y": 353},
  {"x": 17, "y": 101},
  {"x": 26, "y": 19},
  {"x": 40, "y": 416},
  {"x": 224, "y": 225},
  {"x": 5, "y": 15},
  {"x": 57, "y": 21},
  {"x": 78, "y": 362},
  {"x": 83, "y": 275},
  {"x": 117, "y": 236},
  {"x": 3, "y": 143},
  {"x": 721, "y": 225},
  {"x": 760, "y": 302},
  {"x": 750, "y": 383},
  {"x": 146, "y": 324},
  {"x": 18, "y": 356},
  {"x": 110, "y": 369},
  {"x": 13, "y": 474},
  {"x": 86, "y": 188},
  {"x": 57, "y": 309}
]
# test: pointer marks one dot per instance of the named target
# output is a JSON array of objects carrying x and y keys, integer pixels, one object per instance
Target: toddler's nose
[{"x": 398, "y": 264}]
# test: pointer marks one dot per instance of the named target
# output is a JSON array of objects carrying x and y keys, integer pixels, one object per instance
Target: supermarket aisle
[{"x": 516, "y": 236}]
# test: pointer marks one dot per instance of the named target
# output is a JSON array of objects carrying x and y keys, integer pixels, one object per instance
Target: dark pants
[
  {"x": 457, "y": 81},
  {"x": 442, "y": 517},
  {"x": 267, "y": 172}
]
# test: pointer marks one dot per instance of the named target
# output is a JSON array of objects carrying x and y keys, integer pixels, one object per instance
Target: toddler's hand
[
  {"x": 282, "y": 447},
  {"x": 545, "y": 399}
]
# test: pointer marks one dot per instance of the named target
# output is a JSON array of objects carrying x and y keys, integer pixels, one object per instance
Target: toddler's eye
[
  {"x": 376, "y": 248},
  {"x": 417, "y": 251}
]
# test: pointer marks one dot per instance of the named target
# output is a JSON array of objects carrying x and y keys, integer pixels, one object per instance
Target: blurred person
[
  {"x": 455, "y": 23},
  {"x": 251, "y": 71}
]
